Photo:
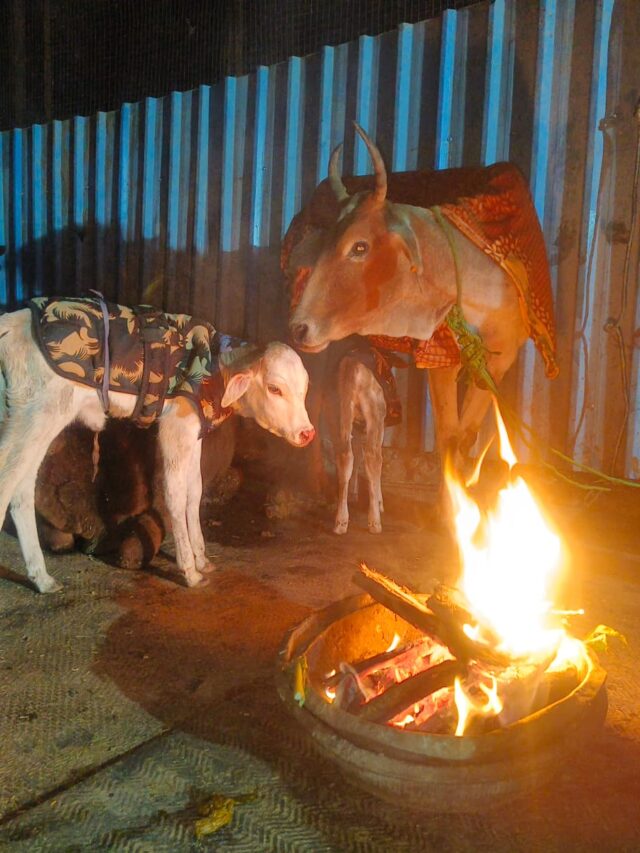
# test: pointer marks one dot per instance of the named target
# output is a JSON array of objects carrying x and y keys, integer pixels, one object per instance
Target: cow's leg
[
  {"x": 194, "y": 497},
  {"x": 444, "y": 401},
  {"x": 477, "y": 401},
  {"x": 443, "y": 388},
  {"x": 177, "y": 437}
]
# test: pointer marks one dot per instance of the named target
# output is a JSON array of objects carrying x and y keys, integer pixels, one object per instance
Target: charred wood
[{"x": 401, "y": 696}]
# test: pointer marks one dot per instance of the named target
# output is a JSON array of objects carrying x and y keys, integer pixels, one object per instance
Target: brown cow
[{"x": 375, "y": 267}]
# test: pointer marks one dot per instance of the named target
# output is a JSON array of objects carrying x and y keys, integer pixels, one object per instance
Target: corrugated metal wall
[{"x": 184, "y": 199}]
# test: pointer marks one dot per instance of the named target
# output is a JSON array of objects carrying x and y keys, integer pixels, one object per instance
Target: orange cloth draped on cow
[{"x": 494, "y": 209}]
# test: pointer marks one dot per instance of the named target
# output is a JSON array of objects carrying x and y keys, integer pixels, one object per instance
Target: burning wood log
[
  {"x": 400, "y": 696},
  {"x": 395, "y": 657},
  {"x": 445, "y": 625}
]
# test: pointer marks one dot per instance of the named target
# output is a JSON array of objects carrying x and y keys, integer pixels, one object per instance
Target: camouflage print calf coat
[{"x": 150, "y": 354}]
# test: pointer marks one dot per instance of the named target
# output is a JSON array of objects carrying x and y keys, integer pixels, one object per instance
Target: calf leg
[
  {"x": 354, "y": 483},
  {"x": 194, "y": 496},
  {"x": 177, "y": 437},
  {"x": 373, "y": 467},
  {"x": 344, "y": 466},
  {"x": 374, "y": 413},
  {"x": 24, "y": 517},
  {"x": 344, "y": 470},
  {"x": 22, "y": 448},
  {"x": 343, "y": 443}
]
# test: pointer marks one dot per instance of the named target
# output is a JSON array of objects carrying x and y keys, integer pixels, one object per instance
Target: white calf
[
  {"x": 360, "y": 399},
  {"x": 36, "y": 404}
]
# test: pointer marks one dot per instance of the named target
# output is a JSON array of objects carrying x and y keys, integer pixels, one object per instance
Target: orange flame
[
  {"x": 330, "y": 693},
  {"x": 510, "y": 561},
  {"x": 469, "y": 707},
  {"x": 393, "y": 645}
]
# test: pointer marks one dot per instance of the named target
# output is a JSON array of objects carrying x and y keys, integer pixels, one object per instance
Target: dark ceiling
[{"x": 61, "y": 58}]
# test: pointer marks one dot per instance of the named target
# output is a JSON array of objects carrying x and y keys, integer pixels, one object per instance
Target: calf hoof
[
  {"x": 340, "y": 527},
  {"x": 196, "y": 581},
  {"x": 375, "y": 527},
  {"x": 47, "y": 584}
]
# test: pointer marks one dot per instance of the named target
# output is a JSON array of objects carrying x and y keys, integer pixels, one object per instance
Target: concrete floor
[{"x": 127, "y": 700}]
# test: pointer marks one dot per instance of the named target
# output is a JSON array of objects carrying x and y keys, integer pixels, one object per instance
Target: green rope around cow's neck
[
  {"x": 473, "y": 356},
  {"x": 472, "y": 349}
]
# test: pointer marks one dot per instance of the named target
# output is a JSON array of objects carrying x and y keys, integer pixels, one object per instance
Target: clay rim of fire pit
[{"x": 586, "y": 700}]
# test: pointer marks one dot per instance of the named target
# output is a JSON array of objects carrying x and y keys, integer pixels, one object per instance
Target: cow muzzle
[
  {"x": 299, "y": 333},
  {"x": 303, "y": 338}
]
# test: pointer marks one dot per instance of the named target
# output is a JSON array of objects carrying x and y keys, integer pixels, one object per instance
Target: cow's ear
[
  {"x": 398, "y": 222},
  {"x": 305, "y": 252},
  {"x": 237, "y": 385}
]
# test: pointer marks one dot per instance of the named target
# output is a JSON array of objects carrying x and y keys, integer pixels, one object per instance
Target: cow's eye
[
  {"x": 273, "y": 389},
  {"x": 359, "y": 249}
]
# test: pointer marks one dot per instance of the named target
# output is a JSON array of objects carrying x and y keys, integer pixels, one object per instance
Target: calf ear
[{"x": 237, "y": 385}]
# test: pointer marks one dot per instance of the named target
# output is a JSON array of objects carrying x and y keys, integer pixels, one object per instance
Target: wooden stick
[
  {"x": 396, "y": 598},
  {"x": 383, "y": 660},
  {"x": 405, "y": 604},
  {"x": 405, "y": 694}
]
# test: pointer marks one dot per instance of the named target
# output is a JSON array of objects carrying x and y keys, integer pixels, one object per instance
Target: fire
[
  {"x": 510, "y": 561},
  {"x": 469, "y": 707},
  {"x": 504, "y": 602},
  {"x": 393, "y": 645}
]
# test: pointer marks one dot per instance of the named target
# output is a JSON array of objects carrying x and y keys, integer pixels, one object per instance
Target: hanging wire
[{"x": 607, "y": 152}]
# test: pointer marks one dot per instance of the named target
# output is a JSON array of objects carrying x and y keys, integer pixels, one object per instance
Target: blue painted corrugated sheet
[{"x": 182, "y": 200}]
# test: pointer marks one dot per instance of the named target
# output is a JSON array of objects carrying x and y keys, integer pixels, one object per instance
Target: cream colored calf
[{"x": 36, "y": 404}]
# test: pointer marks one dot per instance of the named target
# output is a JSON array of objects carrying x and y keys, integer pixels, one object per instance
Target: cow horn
[
  {"x": 335, "y": 180},
  {"x": 380, "y": 192}
]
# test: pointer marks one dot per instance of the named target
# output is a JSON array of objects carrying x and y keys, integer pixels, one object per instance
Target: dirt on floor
[{"x": 128, "y": 699}]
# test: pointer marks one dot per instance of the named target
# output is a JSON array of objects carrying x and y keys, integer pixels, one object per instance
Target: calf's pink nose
[{"x": 306, "y": 435}]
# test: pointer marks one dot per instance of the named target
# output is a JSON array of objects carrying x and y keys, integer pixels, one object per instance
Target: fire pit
[
  {"x": 435, "y": 772},
  {"x": 464, "y": 699}
]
